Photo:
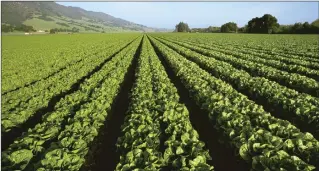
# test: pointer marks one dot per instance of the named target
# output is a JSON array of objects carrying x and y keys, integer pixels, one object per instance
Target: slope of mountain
[{"x": 48, "y": 15}]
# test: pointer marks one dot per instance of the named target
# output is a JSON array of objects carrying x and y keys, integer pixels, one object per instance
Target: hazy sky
[{"x": 202, "y": 14}]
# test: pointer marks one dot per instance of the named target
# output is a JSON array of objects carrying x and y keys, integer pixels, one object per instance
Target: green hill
[{"x": 48, "y": 15}]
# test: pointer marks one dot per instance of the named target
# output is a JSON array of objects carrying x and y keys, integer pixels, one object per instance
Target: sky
[{"x": 202, "y": 14}]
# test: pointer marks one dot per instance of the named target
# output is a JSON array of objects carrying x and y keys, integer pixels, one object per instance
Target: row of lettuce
[
  {"x": 29, "y": 59},
  {"x": 157, "y": 132},
  {"x": 263, "y": 58},
  {"x": 300, "y": 107},
  {"x": 18, "y": 106},
  {"x": 155, "y": 115},
  {"x": 311, "y": 62},
  {"x": 62, "y": 139},
  {"x": 264, "y": 141},
  {"x": 291, "y": 46},
  {"x": 291, "y": 80}
]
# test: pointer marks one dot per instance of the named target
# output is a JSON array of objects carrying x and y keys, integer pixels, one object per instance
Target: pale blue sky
[{"x": 202, "y": 14}]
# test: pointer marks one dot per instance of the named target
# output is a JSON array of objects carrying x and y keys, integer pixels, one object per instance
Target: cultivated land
[{"x": 160, "y": 102}]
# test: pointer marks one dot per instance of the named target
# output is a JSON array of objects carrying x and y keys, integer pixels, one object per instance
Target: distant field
[{"x": 169, "y": 101}]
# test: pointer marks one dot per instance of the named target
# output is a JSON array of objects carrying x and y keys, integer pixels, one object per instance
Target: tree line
[
  {"x": 9, "y": 28},
  {"x": 266, "y": 24},
  {"x": 55, "y": 30}
]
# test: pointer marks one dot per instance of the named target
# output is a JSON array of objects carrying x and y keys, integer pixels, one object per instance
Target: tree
[
  {"x": 229, "y": 27},
  {"x": 315, "y": 23},
  {"x": 297, "y": 28},
  {"x": 243, "y": 29},
  {"x": 285, "y": 29},
  {"x": 6, "y": 28},
  {"x": 52, "y": 31},
  {"x": 212, "y": 29},
  {"x": 306, "y": 27},
  {"x": 315, "y": 26},
  {"x": 24, "y": 28},
  {"x": 254, "y": 25},
  {"x": 182, "y": 27},
  {"x": 265, "y": 24},
  {"x": 270, "y": 23}
]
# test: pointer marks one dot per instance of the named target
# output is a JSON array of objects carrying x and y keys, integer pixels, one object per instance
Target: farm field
[{"x": 160, "y": 101}]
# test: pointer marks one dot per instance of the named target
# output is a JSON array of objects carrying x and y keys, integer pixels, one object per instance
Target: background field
[{"x": 160, "y": 101}]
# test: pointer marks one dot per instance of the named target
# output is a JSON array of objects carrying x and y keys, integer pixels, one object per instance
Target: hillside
[{"x": 48, "y": 15}]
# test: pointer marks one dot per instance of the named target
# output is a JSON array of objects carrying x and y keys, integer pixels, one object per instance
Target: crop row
[
  {"x": 73, "y": 124},
  {"x": 236, "y": 99},
  {"x": 298, "y": 105},
  {"x": 23, "y": 104},
  {"x": 73, "y": 142},
  {"x": 155, "y": 115},
  {"x": 260, "y": 139},
  {"x": 24, "y": 93},
  {"x": 267, "y": 62},
  {"x": 68, "y": 58},
  {"x": 301, "y": 46},
  {"x": 141, "y": 130},
  {"x": 30, "y": 59},
  {"x": 18, "y": 98},
  {"x": 291, "y": 80},
  {"x": 257, "y": 51}
]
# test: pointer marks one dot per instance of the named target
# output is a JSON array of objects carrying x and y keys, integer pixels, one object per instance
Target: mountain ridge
[{"x": 45, "y": 15}]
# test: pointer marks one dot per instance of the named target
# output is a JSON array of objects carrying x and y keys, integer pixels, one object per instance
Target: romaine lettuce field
[{"x": 160, "y": 101}]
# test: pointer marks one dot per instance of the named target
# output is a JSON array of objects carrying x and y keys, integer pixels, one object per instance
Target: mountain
[{"x": 48, "y": 15}]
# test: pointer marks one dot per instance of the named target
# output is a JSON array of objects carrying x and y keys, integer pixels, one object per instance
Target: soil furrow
[{"x": 103, "y": 153}]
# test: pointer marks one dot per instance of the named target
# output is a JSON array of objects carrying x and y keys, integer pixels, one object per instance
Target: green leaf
[
  {"x": 21, "y": 157},
  {"x": 179, "y": 150},
  {"x": 243, "y": 151},
  {"x": 282, "y": 154},
  {"x": 140, "y": 128},
  {"x": 185, "y": 137},
  {"x": 289, "y": 144}
]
